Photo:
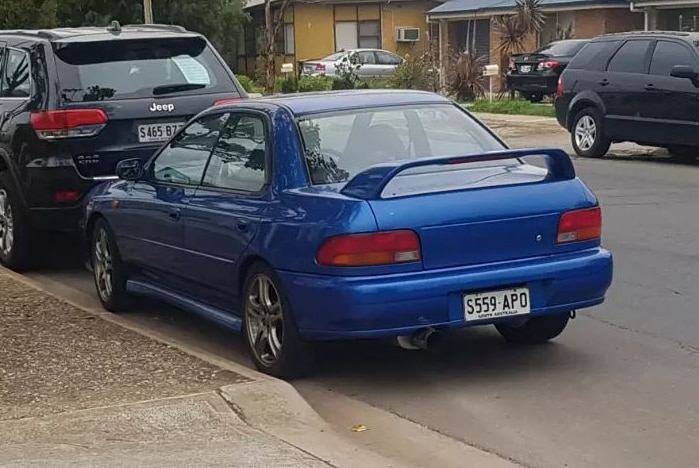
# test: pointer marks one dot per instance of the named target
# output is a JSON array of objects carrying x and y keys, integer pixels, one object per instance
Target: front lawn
[{"x": 512, "y": 107}]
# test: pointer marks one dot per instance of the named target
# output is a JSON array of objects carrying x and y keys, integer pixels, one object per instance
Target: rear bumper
[
  {"x": 560, "y": 105},
  {"x": 328, "y": 307},
  {"x": 533, "y": 83}
]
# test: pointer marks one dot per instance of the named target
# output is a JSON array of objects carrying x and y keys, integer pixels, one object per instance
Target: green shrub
[
  {"x": 343, "y": 83},
  {"x": 378, "y": 83},
  {"x": 315, "y": 83},
  {"x": 248, "y": 84},
  {"x": 287, "y": 85},
  {"x": 415, "y": 73}
]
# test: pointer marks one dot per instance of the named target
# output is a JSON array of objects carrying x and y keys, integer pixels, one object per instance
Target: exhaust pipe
[{"x": 421, "y": 339}]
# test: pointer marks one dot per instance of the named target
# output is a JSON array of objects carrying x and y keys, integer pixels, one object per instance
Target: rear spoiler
[{"x": 370, "y": 183}]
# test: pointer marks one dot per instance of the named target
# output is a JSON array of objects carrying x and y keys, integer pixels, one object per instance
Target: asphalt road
[{"x": 620, "y": 388}]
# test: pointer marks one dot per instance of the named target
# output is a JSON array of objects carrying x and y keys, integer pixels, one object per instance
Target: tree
[
  {"x": 272, "y": 29},
  {"x": 28, "y": 14}
]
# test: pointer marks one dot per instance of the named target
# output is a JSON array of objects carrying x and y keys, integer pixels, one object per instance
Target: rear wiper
[{"x": 167, "y": 89}]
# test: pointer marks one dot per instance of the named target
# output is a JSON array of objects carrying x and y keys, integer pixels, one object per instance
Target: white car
[{"x": 374, "y": 63}]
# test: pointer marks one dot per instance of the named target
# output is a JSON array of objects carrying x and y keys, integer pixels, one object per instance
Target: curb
[{"x": 266, "y": 403}]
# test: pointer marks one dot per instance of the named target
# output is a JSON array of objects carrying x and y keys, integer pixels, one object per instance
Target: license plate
[
  {"x": 496, "y": 304},
  {"x": 152, "y": 133},
  {"x": 525, "y": 68}
]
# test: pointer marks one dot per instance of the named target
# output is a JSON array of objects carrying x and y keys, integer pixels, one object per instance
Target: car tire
[
  {"x": 686, "y": 154},
  {"x": 107, "y": 268},
  {"x": 587, "y": 134},
  {"x": 534, "y": 97},
  {"x": 16, "y": 235},
  {"x": 535, "y": 330},
  {"x": 270, "y": 330}
]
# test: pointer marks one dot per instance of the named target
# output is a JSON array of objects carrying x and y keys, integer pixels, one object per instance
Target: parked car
[
  {"x": 74, "y": 102},
  {"x": 373, "y": 63},
  {"x": 535, "y": 75},
  {"x": 354, "y": 214},
  {"x": 639, "y": 87}
]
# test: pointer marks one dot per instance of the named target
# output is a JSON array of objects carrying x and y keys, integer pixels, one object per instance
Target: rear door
[
  {"x": 149, "y": 88},
  {"x": 387, "y": 62},
  {"x": 623, "y": 90},
  {"x": 672, "y": 103},
  {"x": 369, "y": 66}
]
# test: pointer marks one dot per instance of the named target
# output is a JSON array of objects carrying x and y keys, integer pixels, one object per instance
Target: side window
[
  {"x": 367, "y": 58},
  {"x": 15, "y": 75},
  {"x": 183, "y": 160},
  {"x": 388, "y": 59},
  {"x": 630, "y": 58},
  {"x": 240, "y": 158},
  {"x": 668, "y": 54},
  {"x": 590, "y": 54}
]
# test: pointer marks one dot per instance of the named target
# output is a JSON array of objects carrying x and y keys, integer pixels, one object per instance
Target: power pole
[{"x": 148, "y": 11}]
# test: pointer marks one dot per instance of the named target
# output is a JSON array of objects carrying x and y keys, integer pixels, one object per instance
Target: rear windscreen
[
  {"x": 133, "y": 69},
  {"x": 562, "y": 49}
]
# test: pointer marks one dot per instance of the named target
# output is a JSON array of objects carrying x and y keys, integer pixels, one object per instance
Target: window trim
[
  {"x": 682, "y": 44},
  {"x": 3, "y": 62},
  {"x": 269, "y": 153},
  {"x": 148, "y": 167}
]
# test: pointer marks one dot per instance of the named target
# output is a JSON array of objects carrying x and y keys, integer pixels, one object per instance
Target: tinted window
[
  {"x": 97, "y": 71},
  {"x": 15, "y": 77},
  {"x": 630, "y": 58},
  {"x": 240, "y": 157},
  {"x": 668, "y": 54},
  {"x": 561, "y": 49},
  {"x": 388, "y": 59},
  {"x": 590, "y": 54},
  {"x": 183, "y": 160},
  {"x": 339, "y": 146}
]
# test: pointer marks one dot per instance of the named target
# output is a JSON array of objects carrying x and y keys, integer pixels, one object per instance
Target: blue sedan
[{"x": 360, "y": 214}]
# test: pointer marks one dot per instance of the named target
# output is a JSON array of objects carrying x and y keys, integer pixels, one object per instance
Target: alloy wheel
[
  {"x": 264, "y": 319},
  {"x": 7, "y": 230},
  {"x": 585, "y": 133},
  {"x": 103, "y": 265}
]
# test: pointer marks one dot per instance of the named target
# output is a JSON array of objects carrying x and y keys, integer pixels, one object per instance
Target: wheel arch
[
  {"x": 247, "y": 262},
  {"x": 580, "y": 102}
]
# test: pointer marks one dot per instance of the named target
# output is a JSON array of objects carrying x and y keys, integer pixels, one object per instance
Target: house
[
  {"x": 471, "y": 25},
  {"x": 668, "y": 15},
  {"x": 313, "y": 29}
]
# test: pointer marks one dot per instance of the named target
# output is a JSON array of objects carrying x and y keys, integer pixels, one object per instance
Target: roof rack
[{"x": 653, "y": 33}]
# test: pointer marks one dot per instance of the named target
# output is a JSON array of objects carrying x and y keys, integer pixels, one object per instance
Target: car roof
[
  {"x": 98, "y": 34},
  {"x": 338, "y": 101},
  {"x": 687, "y": 36}
]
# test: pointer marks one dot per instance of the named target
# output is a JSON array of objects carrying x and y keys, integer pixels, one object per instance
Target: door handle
[
  {"x": 650, "y": 87},
  {"x": 603, "y": 82},
  {"x": 174, "y": 214}
]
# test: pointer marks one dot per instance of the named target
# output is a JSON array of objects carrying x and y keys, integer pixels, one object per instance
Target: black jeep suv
[
  {"x": 75, "y": 102},
  {"x": 641, "y": 87}
]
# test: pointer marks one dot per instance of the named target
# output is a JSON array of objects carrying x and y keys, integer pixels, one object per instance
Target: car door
[
  {"x": 148, "y": 220},
  {"x": 387, "y": 62},
  {"x": 225, "y": 213},
  {"x": 369, "y": 67},
  {"x": 622, "y": 89},
  {"x": 672, "y": 103}
]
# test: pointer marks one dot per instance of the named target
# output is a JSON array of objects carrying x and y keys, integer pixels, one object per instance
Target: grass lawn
[{"x": 511, "y": 106}]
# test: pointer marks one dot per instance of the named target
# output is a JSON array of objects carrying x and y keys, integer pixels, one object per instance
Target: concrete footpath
[{"x": 80, "y": 391}]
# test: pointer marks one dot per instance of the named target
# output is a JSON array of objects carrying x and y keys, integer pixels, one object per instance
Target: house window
[
  {"x": 369, "y": 34},
  {"x": 354, "y": 34},
  {"x": 289, "y": 46},
  {"x": 250, "y": 40}
]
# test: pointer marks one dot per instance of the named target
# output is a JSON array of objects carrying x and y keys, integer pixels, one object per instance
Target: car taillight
[
  {"x": 548, "y": 65},
  {"x": 66, "y": 196},
  {"x": 381, "y": 248},
  {"x": 559, "y": 87},
  {"x": 223, "y": 102},
  {"x": 70, "y": 123},
  {"x": 320, "y": 67},
  {"x": 580, "y": 225}
]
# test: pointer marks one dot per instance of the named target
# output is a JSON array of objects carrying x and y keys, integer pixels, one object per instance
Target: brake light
[
  {"x": 223, "y": 102},
  {"x": 71, "y": 123},
  {"x": 320, "y": 67},
  {"x": 559, "y": 87},
  {"x": 548, "y": 65},
  {"x": 67, "y": 196},
  {"x": 580, "y": 225},
  {"x": 381, "y": 248}
]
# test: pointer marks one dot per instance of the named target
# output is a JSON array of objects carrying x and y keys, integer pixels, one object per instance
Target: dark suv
[
  {"x": 75, "y": 102},
  {"x": 641, "y": 87}
]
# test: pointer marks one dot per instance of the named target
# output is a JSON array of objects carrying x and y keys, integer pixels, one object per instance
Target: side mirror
[
  {"x": 684, "y": 71},
  {"x": 129, "y": 169}
]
